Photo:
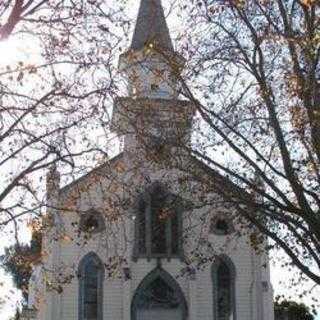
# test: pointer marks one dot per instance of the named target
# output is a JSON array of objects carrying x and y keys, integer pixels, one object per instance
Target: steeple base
[{"x": 151, "y": 124}]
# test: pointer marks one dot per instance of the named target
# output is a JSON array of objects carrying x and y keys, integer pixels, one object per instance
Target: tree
[
  {"x": 52, "y": 100},
  {"x": 254, "y": 78},
  {"x": 17, "y": 315},
  {"x": 293, "y": 310},
  {"x": 18, "y": 261}
]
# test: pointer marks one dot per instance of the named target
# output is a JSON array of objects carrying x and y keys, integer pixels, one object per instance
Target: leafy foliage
[
  {"x": 294, "y": 310},
  {"x": 254, "y": 78},
  {"x": 18, "y": 260},
  {"x": 253, "y": 75},
  {"x": 17, "y": 315},
  {"x": 54, "y": 94}
]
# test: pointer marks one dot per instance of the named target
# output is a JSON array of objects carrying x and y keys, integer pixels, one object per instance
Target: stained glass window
[
  {"x": 158, "y": 225},
  {"x": 90, "y": 285},
  {"x": 142, "y": 227},
  {"x": 224, "y": 292},
  {"x": 159, "y": 221},
  {"x": 90, "y": 298},
  {"x": 159, "y": 296},
  {"x": 224, "y": 289},
  {"x": 175, "y": 233}
]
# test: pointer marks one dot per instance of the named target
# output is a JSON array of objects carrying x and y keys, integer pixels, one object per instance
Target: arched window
[
  {"x": 92, "y": 222},
  {"x": 159, "y": 296},
  {"x": 91, "y": 275},
  {"x": 223, "y": 276},
  {"x": 158, "y": 224}
]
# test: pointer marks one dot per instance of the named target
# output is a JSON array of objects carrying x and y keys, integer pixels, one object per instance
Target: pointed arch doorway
[{"x": 159, "y": 297}]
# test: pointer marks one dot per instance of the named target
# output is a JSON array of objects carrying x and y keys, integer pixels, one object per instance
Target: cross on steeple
[{"x": 151, "y": 26}]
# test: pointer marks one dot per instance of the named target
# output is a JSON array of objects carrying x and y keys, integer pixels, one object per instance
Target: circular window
[
  {"x": 221, "y": 226},
  {"x": 92, "y": 222}
]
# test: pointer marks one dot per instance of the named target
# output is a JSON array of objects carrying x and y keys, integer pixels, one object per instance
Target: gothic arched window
[
  {"x": 91, "y": 275},
  {"x": 159, "y": 296},
  {"x": 158, "y": 224},
  {"x": 223, "y": 275}
]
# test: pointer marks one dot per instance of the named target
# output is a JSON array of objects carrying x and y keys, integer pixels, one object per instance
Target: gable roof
[
  {"x": 221, "y": 183},
  {"x": 95, "y": 171}
]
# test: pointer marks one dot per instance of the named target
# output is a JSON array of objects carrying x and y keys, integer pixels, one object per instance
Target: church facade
[{"x": 140, "y": 237}]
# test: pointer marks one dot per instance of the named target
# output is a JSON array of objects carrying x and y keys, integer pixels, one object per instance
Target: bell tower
[
  {"x": 152, "y": 115},
  {"x": 151, "y": 66}
]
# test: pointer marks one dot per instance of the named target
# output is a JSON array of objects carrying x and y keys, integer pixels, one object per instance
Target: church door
[{"x": 159, "y": 297}]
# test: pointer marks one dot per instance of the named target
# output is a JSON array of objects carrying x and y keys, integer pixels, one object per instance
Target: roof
[
  {"x": 221, "y": 182},
  {"x": 101, "y": 168},
  {"x": 151, "y": 26}
]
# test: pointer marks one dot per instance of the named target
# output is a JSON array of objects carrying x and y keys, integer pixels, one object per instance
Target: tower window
[{"x": 158, "y": 225}]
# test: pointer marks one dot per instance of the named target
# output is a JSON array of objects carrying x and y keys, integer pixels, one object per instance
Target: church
[{"x": 140, "y": 237}]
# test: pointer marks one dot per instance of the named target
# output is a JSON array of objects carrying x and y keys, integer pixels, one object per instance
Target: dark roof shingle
[{"x": 151, "y": 26}]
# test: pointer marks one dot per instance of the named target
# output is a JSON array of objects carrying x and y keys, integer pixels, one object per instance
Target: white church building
[{"x": 142, "y": 237}]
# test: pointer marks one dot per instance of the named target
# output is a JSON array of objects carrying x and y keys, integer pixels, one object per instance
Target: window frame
[
  {"x": 214, "y": 230},
  {"x": 89, "y": 258},
  {"x": 214, "y": 274},
  {"x": 178, "y": 208},
  {"x": 87, "y": 215},
  {"x": 170, "y": 281}
]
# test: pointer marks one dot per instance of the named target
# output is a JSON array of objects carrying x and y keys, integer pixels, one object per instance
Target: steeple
[
  {"x": 151, "y": 116},
  {"x": 151, "y": 27},
  {"x": 151, "y": 66}
]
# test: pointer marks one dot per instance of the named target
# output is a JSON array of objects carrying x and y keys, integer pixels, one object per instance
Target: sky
[{"x": 11, "y": 52}]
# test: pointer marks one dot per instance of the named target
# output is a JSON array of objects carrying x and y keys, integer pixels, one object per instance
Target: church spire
[
  {"x": 152, "y": 114},
  {"x": 151, "y": 26},
  {"x": 151, "y": 65}
]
